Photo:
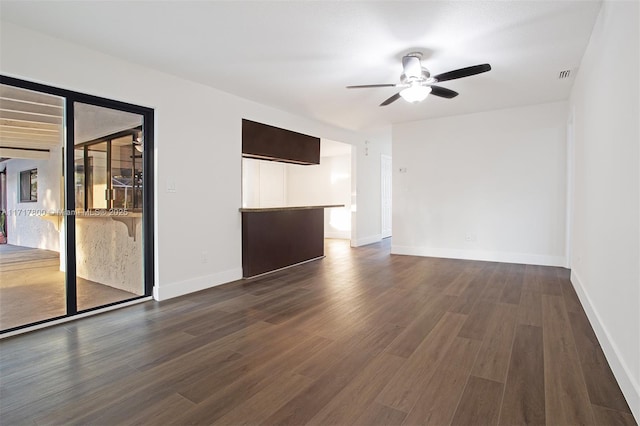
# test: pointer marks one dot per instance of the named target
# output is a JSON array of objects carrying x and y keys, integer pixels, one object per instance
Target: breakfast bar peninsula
[
  {"x": 279, "y": 230},
  {"x": 278, "y": 237}
]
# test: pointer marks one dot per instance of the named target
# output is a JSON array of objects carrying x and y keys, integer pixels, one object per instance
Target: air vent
[{"x": 564, "y": 74}]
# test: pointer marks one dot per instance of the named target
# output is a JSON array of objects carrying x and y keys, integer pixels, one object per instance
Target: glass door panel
[
  {"x": 32, "y": 243},
  {"x": 95, "y": 177},
  {"x": 72, "y": 200},
  {"x": 126, "y": 172},
  {"x": 108, "y": 177}
]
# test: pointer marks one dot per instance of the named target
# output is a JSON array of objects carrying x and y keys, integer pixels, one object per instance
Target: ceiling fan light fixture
[
  {"x": 138, "y": 144},
  {"x": 415, "y": 93}
]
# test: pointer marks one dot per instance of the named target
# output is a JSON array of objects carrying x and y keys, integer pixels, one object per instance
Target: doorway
[{"x": 386, "y": 196}]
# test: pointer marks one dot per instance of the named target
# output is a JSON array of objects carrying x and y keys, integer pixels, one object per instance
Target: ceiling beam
[
  {"x": 4, "y": 99},
  {"x": 31, "y": 116},
  {"x": 30, "y": 108},
  {"x": 10, "y": 92},
  {"x": 30, "y": 124},
  {"x": 28, "y": 131},
  {"x": 24, "y": 153},
  {"x": 16, "y": 143},
  {"x": 28, "y": 136}
]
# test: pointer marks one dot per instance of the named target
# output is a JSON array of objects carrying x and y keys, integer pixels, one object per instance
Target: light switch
[{"x": 171, "y": 185}]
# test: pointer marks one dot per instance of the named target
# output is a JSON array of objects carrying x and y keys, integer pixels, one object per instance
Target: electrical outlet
[
  {"x": 204, "y": 257},
  {"x": 403, "y": 170},
  {"x": 470, "y": 238}
]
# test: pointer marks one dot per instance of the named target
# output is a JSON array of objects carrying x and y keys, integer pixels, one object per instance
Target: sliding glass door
[
  {"x": 109, "y": 184},
  {"x": 95, "y": 198}
]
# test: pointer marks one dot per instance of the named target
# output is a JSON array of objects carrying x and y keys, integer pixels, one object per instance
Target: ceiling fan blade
[
  {"x": 443, "y": 92},
  {"x": 391, "y": 99},
  {"x": 463, "y": 72},
  {"x": 364, "y": 86},
  {"x": 411, "y": 66}
]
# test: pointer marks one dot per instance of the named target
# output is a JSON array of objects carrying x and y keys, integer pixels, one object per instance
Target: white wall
[
  {"x": 275, "y": 184},
  {"x": 264, "y": 183},
  {"x": 606, "y": 215},
  {"x": 32, "y": 230},
  {"x": 337, "y": 221},
  {"x": 486, "y": 186},
  {"x": 198, "y": 148},
  {"x": 326, "y": 183}
]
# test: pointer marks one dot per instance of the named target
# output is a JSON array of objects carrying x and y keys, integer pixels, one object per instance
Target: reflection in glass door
[
  {"x": 32, "y": 251},
  {"x": 109, "y": 150}
]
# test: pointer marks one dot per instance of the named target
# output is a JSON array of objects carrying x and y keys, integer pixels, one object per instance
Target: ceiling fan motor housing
[
  {"x": 424, "y": 78},
  {"x": 413, "y": 73}
]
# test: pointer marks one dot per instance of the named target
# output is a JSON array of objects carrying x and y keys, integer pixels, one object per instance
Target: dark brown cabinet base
[{"x": 274, "y": 239}]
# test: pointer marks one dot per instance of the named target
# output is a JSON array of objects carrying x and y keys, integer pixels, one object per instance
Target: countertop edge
[{"x": 275, "y": 209}]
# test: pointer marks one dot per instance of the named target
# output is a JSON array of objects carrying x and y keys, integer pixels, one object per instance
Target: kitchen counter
[
  {"x": 277, "y": 209},
  {"x": 279, "y": 237}
]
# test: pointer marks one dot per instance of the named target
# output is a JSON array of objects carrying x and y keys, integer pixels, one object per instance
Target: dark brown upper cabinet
[{"x": 266, "y": 142}]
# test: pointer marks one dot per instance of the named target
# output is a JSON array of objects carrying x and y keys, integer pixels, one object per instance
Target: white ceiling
[
  {"x": 298, "y": 56},
  {"x": 93, "y": 122}
]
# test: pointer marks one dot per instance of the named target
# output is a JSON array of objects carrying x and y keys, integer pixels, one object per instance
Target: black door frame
[{"x": 70, "y": 97}]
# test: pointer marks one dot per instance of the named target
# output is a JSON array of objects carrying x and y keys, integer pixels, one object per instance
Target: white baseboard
[
  {"x": 489, "y": 256},
  {"x": 180, "y": 288},
  {"x": 628, "y": 384},
  {"x": 340, "y": 235},
  {"x": 366, "y": 240},
  {"x": 283, "y": 268}
]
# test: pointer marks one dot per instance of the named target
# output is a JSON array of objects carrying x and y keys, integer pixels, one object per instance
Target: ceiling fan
[
  {"x": 138, "y": 143},
  {"x": 416, "y": 81}
]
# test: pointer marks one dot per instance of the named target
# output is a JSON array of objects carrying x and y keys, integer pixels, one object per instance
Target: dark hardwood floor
[{"x": 360, "y": 337}]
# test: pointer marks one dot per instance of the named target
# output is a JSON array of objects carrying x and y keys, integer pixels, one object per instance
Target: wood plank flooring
[
  {"x": 32, "y": 287},
  {"x": 361, "y": 337},
  {"x": 15, "y": 258},
  {"x": 38, "y": 293}
]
